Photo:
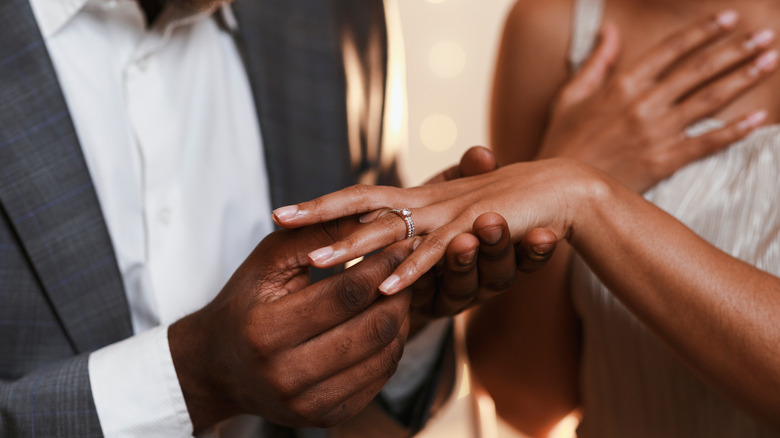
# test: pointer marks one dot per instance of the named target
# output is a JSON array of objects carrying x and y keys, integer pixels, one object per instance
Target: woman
[
  {"x": 596, "y": 354},
  {"x": 705, "y": 309}
]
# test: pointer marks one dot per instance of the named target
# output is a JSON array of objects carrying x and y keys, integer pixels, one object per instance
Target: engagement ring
[{"x": 406, "y": 215}]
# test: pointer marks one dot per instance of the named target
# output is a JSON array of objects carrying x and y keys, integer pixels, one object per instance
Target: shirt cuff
[
  {"x": 420, "y": 356},
  {"x": 136, "y": 390}
]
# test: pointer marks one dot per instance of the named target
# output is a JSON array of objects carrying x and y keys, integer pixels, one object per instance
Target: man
[{"x": 136, "y": 177}]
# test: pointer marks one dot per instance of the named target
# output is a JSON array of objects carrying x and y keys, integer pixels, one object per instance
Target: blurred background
[{"x": 450, "y": 48}]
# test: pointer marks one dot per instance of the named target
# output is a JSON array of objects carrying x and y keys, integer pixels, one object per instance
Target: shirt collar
[{"x": 52, "y": 15}]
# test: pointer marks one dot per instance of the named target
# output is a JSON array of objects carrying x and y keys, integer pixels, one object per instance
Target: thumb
[
  {"x": 594, "y": 72},
  {"x": 475, "y": 161}
]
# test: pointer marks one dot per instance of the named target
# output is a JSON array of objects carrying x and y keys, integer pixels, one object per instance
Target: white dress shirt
[{"x": 169, "y": 132}]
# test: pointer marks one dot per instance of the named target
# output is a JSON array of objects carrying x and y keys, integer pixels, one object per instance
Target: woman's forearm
[{"x": 719, "y": 314}]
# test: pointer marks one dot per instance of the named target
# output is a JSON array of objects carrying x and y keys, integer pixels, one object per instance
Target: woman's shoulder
[
  {"x": 532, "y": 66},
  {"x": 546, "y": 24},
  {"x": 541, "y": 14}
]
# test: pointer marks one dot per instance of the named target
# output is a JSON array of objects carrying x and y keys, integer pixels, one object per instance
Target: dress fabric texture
[{"x": 632, "y": 384}]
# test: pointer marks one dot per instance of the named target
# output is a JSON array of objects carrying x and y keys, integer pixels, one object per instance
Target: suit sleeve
[{"x": 55, "y": 401}]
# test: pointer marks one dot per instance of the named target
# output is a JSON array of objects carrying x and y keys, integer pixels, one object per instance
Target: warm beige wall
[{"x": 454, "y": 32}]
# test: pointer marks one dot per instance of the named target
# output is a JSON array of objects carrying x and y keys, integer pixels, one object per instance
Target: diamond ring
[{"x": 406, "y": 215}]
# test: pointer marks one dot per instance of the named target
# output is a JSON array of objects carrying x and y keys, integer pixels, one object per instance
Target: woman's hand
[
  {"x": 542, "y": 194},
  {"x": 632, "y": 124}
]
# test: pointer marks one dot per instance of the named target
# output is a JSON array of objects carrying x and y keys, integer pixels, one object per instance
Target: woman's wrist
[{"x": 590, "y": 202}]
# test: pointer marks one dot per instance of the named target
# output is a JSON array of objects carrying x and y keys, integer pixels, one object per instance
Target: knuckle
[
  {"x": 659, "y": 164},
  {"x": 396, "y": 351},
  {"x": 360, "y": 195},
  {"x": 566, "y": 96},
  {"x": 500, "y": 283},
  {"x": 639, "y": 112},
  {"x": 436, "y": 243},
  {"x": 261, "y": 341},
  {"x": 624, "y": 86},
  {"x": 359, "y": 191},
  {"x": 352, "y": 296},
  {"x": 287, "y": 386},
  {"x": 384, "y": 327},
  {"x": 311, "y": 410},
  {"x": 391, "y": 356}
]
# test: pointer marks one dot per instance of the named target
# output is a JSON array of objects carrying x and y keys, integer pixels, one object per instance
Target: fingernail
[
  {"x": 542, "y": 249},
  {"x": 466, "y": 258},
  {"x": 321, "y": 255},
  {"x": 369, "y": 217},
  {"x": 490, "y": 235},
  {"x": 765, "y": 62},
  {"x": 388, "y": 286},
  {"x": 416, "y": 243},
  {"x": 727, "y": 19},
  {"x": 286, "y": 213},
  {"x": 760, "y": 39},
  {"x": 752, "y": 120}
]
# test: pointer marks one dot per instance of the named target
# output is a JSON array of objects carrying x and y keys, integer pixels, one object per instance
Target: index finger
[
  {"x": 681, "y": 43},
  {"x": 360, "y": 199},
  {"x": 307, "y": 313}
]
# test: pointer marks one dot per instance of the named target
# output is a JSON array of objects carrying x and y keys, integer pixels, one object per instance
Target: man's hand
[
  {"x": 480, "y": 264},
  {"x": 296, "y": 354}
]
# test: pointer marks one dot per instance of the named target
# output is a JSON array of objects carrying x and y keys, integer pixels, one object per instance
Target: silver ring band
[{"x": 406, "y": 215}]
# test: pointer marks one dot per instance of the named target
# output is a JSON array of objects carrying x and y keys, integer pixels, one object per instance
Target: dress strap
[{"x": 586, "y": 22}]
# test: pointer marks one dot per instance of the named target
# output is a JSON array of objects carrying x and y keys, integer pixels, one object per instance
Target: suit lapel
[
  {"x": 293, "y": 58},
  {"x": 47, "y": 193}
]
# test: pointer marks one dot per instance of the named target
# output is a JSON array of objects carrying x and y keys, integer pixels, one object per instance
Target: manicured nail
[
  {"x": 490, "y": 235},
  {"x": 416, "y": 243},
  {"x": 321, "y": 255},
  {"x": 467, "y": 258},
  {"x": 542, "y": 249},
  {"x": 765, "y": 62},
  {"x": 286, "y": 213},
  {"x": 760, "y": 39},
  {"x": 389, "y": 285},
  {"x": 727, "y": 19},
  {"x": 752, "y": 120}
]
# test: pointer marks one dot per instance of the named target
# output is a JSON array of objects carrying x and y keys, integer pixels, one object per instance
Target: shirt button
[
  {"x": 164, "y": 216},
  {"x": 142, "y": 63}
]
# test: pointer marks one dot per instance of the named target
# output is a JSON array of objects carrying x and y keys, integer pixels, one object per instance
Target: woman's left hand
[{"x": 542, "y": 194}]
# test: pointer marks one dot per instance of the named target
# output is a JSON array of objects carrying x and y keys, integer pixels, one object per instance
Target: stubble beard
[{"x": 197, "y": 5}]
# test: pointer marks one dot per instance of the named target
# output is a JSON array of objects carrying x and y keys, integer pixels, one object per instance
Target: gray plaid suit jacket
[{"x": 61, "y": 294}]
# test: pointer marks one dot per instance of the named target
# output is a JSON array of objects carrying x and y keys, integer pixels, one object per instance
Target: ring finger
[
  {"x": 706, "y": 101},
  {"x": 697, "y": 71},
  {"x": 386, "y": 229}
]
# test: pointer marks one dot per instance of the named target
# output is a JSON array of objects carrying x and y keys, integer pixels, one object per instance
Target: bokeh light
[
  {"x": 447, "y": 59},
  {"x": 438, "y": 132}
]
